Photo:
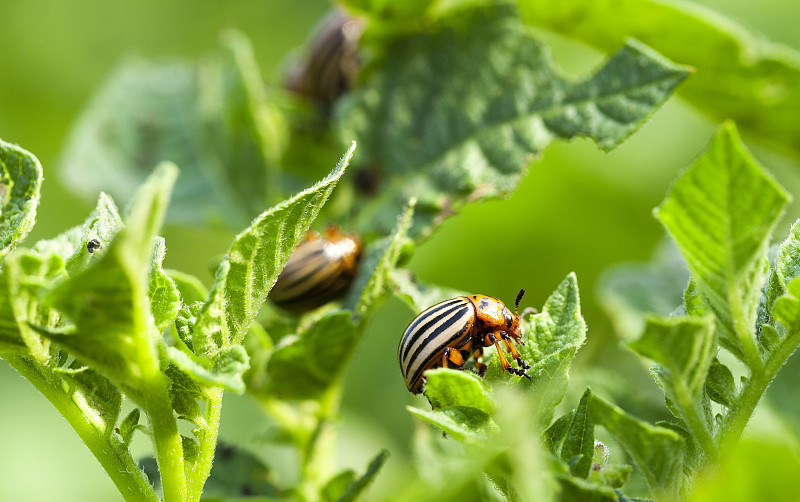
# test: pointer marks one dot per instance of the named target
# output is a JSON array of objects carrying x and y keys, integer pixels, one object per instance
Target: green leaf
[
  {"x": 162, "y": 291},
  {"x": 236, "y": 472},
  {"x": 20, "y": 185},
  {"x": 128, "y": 426},
  {"x": 185, "y": 392},
  {"x": 210, "y": 117},
  {"x": 720, "y": 384},
  {"x": 357, "y": 487},
  {"x": 245, "y": 135},
  {"x": 578, "y": 490},
  {"x": 787, "y": 267},
  {"x": 225, "y": 368},
  {"x": 23, "y": 279},
  {"x": 305, "y": 365},
  {"x": 787, "y": 308},
  {"x": 552, "y": 339},
  {"x": 628, "y": 291},
  {"x": 684, "y": 347},
  {"x": 656, "y": 451},
  {"x": 371, "y": 283},
  {"x": 113, "y": 327},
  {"x": 253, "y": 263},
  {"x": 103, "y": 224},
  {"x": 462, "y": 422},
  {"x": 447, "y": 388},
  {"x": 740, "y": 76},
  {"x": 99, "y": 399},
  {"x": 721, "y": 213},
  {"x": 579, "y": 439},
  {"x": 459, "y": 134},
  {"x": 555, "y": 434}
]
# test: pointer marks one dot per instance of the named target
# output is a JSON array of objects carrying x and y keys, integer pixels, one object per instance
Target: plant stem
[
  {"x": 112, "y": 455},
  {"x": 167, "y": 440},
  {"x": 208, "y": 443},
  {"x": 696, "y": 422},
  {"x": 318, "y": 453},
  {"x": 733, "y": 427}
]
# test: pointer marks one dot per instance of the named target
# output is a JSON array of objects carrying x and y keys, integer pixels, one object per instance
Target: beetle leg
[
  {"x": 523, "y": 367},
  {"x": 481, "y": 367},
  {"x": 514, "y": 352},
  {"x": 503, "y": 362},
  {"x": 453, "y": 356}
]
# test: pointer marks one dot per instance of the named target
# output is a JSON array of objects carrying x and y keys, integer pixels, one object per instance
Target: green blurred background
[{"x": 579, "y": 209}]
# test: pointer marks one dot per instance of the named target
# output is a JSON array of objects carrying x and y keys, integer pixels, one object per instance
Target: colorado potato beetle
[
  {"x": 319, "y": 270},
  {"x": 450, "y": 332}
]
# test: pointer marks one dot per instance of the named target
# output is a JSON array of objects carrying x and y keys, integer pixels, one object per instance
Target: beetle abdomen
[{"x": 446, "y": 324}]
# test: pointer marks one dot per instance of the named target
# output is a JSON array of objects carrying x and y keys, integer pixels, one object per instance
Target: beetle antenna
[{"x": 519, "y": 299}]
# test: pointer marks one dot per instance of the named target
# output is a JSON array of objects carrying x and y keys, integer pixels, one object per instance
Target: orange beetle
[{"x": 452, "y": 331}]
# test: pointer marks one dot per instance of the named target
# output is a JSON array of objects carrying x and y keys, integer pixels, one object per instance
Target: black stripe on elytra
[
  {"x": 441, "y": 311},
  {"x": 448, "y": 324},
  {"x": 435, "y": 353}
]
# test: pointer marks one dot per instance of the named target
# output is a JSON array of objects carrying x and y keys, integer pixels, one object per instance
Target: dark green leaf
[
  {"x": 684, "y": 347},
  {"x": 238, "y": 473},
  {"x": 458, "y": 133},
  {"x": 253, "y": 263},
  {"x": 579, "y": 439},
  {"x": 185, "y": 391},
  {"x": 337, "y": 485},
  {"x": 720, "y": 384},
  {"x": 244, "y": 134},
  {"x": 20, "y": 185},
  {"x": 303, "y": 366},
  {"x": 555, "y": 434},
  {"x": 114, "y": 331},
  {"x": 356, "y": 488},
  {"x": 721, "y": 213},
  {"x": 656, "y": 451},
  {"x": 740, "y": 76},
  {"x": 128, "y": 426}
]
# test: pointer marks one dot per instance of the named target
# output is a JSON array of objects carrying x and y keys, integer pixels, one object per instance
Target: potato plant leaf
[
  {"x": 356, "y": 488},
  {"x": 552, "y": 339},
  {"x": 20, "y": 185},
  {"x": 468, "y": 129},
  {"x": 684, "y": 347},
  {"x": 578, "y": 441},
  {"x": 253, "y": 263},
  {"x": 165, "y": 300},
  {"x": 739, "y": 76},
  {"x": 210, "y": 117},
  {"x": 114, "y": 330},
  {"x": 658, "y": 452},
  {"x": 721, "y": 212}
]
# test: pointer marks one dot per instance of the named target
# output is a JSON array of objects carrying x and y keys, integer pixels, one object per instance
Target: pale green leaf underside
[
  {"x": 721, "y": 213},
  {"x": 254, "y": 261},
  {"x": 20, "y": 185},
  {"x": 446, "y": 388},
  {"x": 461, "y": 422},
  {"x": 684, "y": 346},
  {"x": 656, "y": 451},
  {"x": 458, "y": 112},
  {"x": 107, "y": 302},
  {"x": 738, "y": 75}
]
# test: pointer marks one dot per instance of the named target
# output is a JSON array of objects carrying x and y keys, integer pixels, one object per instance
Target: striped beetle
[
  {"x": 319, "y": 270},
  {"x": 451, "y": 331}
]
